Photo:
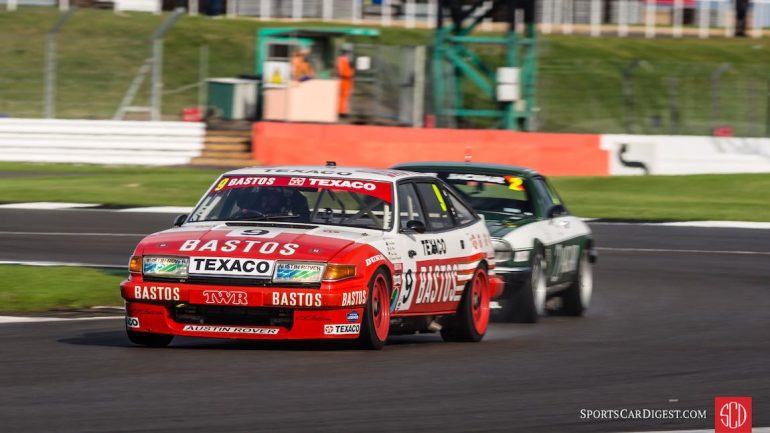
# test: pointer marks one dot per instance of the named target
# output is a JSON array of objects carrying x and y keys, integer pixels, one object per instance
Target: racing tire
[
  {"x": 577, "y": 297},
  {"x": 527, "y": 304},
  {"x": 149, "y": 339},
  {"x": 472, "y": 318},
  {"x": 376, "y": 323}
]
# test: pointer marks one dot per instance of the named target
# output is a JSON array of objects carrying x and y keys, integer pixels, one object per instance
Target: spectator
[
  {"x": 345, "y": 72},
  {"x": 300, "y": 65}
]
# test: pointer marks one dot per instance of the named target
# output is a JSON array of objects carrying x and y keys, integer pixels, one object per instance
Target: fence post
[
  {"x": 716, "y": 77},
  {"x": 355, "y": 11},
  {"x": 296, "y": 10},
  {"x": 756, "y": 30},
  {"x": 11, "y": 5},
  {"x": 409, "y": 11},
  {"x": 64, "y": 5},
  {"x": 156, "y": 95},
  {"x": 264, "y": 10},
  {"x": 675, "y": 105},
  {"x": 418, "y": 108},
  {"x": 49, "y": 103},
  {"x": 704, "y": 12},
  {"x": 569, "y": 17},
  {"x": 596, "y": 18},
  {"x": 327, "y": 12},
  {"x": 203, "y": 75},
  {"x": 432, "y": 13},
  {"x": 650, "y": 19},
  {"x": 628, "y": 95},
  {"x": 677, "y": 18},
  {"x": 622, "y": 18},
  {"x": 232, "y": 8},
  {"x": 729, "y": 19},
  {"x": 546, "y": 20},
  {"x": 767, "y": 111}
]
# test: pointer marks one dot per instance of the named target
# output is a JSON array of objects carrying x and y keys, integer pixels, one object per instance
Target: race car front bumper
[
  {"x": 512, "y": 279},
  {"x": 264, "y": 313}
]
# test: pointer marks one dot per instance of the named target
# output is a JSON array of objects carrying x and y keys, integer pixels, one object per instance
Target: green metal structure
[{"x": 455, "y": 64}]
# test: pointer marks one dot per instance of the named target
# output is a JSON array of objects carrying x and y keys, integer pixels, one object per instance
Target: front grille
[
  {"x": 240, "y": 316},
  {"x": 229, "y": 281}
]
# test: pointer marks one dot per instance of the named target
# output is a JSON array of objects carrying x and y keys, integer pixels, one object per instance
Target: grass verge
[
  {"x": 741, "y": 197},
  {"x": 37, "y": 289}
]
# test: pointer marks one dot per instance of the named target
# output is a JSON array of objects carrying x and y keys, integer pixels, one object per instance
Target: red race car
[{"x": 276, "y": 253}]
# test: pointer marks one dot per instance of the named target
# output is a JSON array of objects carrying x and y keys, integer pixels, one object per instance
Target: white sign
[{"x": 276, "y": 74}]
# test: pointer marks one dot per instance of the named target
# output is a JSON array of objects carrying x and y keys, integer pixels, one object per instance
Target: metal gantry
[{"x": 458, "y": 62}]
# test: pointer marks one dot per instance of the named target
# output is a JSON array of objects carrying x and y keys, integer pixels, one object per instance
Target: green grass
[
  {"x": 742, "y": 197},
  {"x": 579, "y": 87},
  {"x": 37, "y": 289},
  {"x": 107, "y": 185},
  {"x": 739, "y": 197}
]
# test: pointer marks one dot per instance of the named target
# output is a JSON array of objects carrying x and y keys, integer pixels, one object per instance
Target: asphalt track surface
[{"x": 679, "y": 316}]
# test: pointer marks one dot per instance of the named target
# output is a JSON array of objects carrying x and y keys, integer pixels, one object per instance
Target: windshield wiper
[{"x": 267, "y": 218}]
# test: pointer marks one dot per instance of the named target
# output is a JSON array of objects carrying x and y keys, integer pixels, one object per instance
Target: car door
[
  {"x": 431, "y": 258},
  {"x": 562, "y": 251}
]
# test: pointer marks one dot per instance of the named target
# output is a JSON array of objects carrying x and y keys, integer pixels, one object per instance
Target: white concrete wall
[
  {"x": 666, "y": 154},
  {"x": 100, "y": 141}
]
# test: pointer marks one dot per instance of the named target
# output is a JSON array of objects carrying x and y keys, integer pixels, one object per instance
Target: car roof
[
  {"x": 467, "y": 167},
  {"x": 376, "y": 174}
]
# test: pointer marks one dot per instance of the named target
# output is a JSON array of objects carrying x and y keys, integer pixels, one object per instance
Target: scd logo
[{"x": 732, "y": 415}]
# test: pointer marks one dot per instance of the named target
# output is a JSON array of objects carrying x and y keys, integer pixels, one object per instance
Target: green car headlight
[
  {"x": 165, "y": 266},
  {"x": 298, "y": 272},
  {"x": 503, "y": 250}
]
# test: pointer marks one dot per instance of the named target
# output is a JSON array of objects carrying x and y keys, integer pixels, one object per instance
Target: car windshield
[
  {"x": 492, "y": 193},
  {"x": 345, "y": 202}
]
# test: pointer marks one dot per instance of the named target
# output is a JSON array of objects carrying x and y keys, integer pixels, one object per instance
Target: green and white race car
[{"x": 543, "y": 253}]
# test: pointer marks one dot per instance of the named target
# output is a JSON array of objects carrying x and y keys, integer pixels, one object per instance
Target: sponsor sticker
[
  {"x": 346, "y": 329},
  {"x": 231, "y": 266},
  {"x": 132, "y": 322},
  {"x": 225, "y": 297},
  {"x": 732, "y": 415},
  {"x": 381, "y": 190},
  {"x": 515, "y": 183},
  {"x": 356, "y": 297},
  {"x": 156, "y": 293},
  {"x": 254, "y": 233},
  {"x": 239, "y": 245},
  {"x": 298, "y": 272},
  {"x": 230, "y": 329},
  {"x": 164, "y": 265},
  {"x": 374, "y": 259},
  {"x": 476, "y": 177},
  {"x": 353, "y": 317},
  {"x": 296, "y": 299}
]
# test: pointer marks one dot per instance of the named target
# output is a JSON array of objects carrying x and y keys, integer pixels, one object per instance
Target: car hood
[
  {"x": 501, "y": 227},
  {"x": 265, "y": 241}
]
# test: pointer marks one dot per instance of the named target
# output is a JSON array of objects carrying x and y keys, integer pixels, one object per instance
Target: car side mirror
[
  {"x": 415, "y": 226},
  {"x": 179, "y": 220},
  {"x": 555, "y": 211}
]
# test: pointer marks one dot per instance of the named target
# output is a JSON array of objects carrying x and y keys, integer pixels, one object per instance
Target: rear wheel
[
  {"x": 472, "y": 318},
  {"x": 376, "y": 323},
  {"x": 149, "y": 339},
  {"x": 577, "y": 297},
  {"x": 527, "y": 304}
]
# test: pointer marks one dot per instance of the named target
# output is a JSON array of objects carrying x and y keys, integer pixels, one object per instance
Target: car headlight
[
  {"x": 503, "y": 250},
  {"x": 165, "y": 266},
  {"x": 298, "y": 272}
]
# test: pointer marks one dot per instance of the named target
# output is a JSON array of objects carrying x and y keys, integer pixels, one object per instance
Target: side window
[
  {"x": 463, "y": 215},
  {"x": 436, "y": 207},
  {"x": 408, "y": 205},
  {"x": 552, "y": 193}
]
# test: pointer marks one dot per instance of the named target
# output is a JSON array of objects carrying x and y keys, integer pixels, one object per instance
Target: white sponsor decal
[
  {"x": 230, "y": 329},
  {"x": 357, "y": 297},
  {"x": 295, "y": 299},
  {"x": 228, "y": 266},
  {"x": 301, "y": 171},
  {"x": 225, "y": 297},
  {"x": 438, "y": 283},
  {"x": 239, "y": 245},
  {"x": 132, "y": 322},
  {"x": 296, "y": 181},
  {"x": 346, "y": 329},
  {"x": 254, "y": 233},
  {"x": 476, "y": 177},
  {"x": 374, "y": 259},
  {"x": 338, "y": 183},
  {"x": 156, "y": 293},
  {"x": 251, "y": 181}
]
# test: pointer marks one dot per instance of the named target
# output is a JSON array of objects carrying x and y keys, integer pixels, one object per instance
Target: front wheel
[
  {"x": 472, "y": 318},
  {"x": 376, "y": 323},
  {"x": 149, "y": 339},
  {"x": 527, "y": 303},
  {"x": 577, "y": 296}
]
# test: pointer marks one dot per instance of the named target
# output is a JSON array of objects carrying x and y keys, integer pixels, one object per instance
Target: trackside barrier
[
  {"x": 100, "y": 141},
  {"x": 381, "y": 146}
]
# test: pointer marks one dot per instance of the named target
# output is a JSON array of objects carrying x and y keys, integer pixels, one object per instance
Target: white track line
[
  {"x": 72, "y": 234},
  {"x": 158, "y": 209},
  {"x": 44, "y": 263},
  {"x": 46, "y": 205},
  {"x": 19, "y": 319},
  {"x": 663, "y": 250},
  {"x": 719, "y": 224}
]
